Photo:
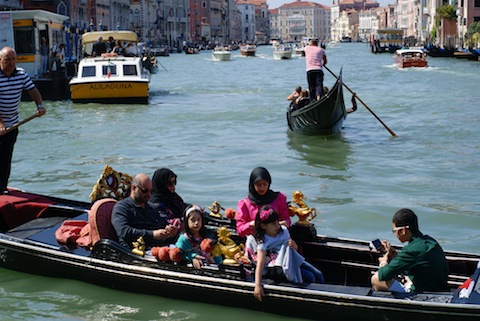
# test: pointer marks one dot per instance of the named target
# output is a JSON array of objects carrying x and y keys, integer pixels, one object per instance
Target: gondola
[
  {"x": 28, "y": 223},
  {"x": 320, "y": 117}
]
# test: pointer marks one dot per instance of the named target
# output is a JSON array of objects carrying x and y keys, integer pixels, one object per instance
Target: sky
[{"x": 273, "y": 4}]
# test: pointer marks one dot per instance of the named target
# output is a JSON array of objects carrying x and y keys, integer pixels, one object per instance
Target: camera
[{"x": 377, "y": 244}]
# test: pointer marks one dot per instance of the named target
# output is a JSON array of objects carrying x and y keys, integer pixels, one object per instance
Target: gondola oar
[
  {"x": 26, "y": 120},
  {"x": 389, "y": 130}
]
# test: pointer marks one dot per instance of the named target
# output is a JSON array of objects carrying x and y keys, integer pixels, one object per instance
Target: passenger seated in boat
[
  {"x": 271, "y": 246},
  {"x": 118, "y": 48},
  {"x": 164, "y": 198},
  {"x": 196, "y": 241},
  {"x": 99, "y": 47},
  {"x": 295, "y": 94},
  {"x": 130, "y": 50},
  {"x": 303, "y": 100},
  {"x": 135, "y": 217},
  {"x": 422, "y": 260},
  {"x": 259, "y": 194}
]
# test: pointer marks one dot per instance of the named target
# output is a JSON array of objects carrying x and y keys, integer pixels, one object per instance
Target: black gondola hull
[{"x": 322, "y": 117}]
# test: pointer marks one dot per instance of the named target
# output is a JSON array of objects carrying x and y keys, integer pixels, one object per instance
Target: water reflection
[{"x": 331, "y": 152}]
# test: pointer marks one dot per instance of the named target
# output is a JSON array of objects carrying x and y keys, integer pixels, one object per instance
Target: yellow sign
[
  {"x": 23, "y": 23},
  {"x": 25, "y": 58}
]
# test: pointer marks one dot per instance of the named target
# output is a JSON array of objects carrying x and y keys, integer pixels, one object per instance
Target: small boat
[
  {"x": 192, "y": 50},
  {"x": 320, "y": 117},
  {"x": 160, "y": 51},
  {"x": 405, "y": 58},
  {"x": 28, "y": 243},
  {"x": 150, "y": 63},
  {"x": 282, "y": 52},
  {"x": 221, "y": 54},
  {"x": 111, "y": 77},
  {"x": 248, "y": 50}
]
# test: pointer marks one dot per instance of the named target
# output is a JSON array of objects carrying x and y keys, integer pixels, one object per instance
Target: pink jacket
[{"x": 247, "y": 211}]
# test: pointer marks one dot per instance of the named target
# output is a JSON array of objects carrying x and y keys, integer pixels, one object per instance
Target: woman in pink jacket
[{"x": 259, "y": 194}]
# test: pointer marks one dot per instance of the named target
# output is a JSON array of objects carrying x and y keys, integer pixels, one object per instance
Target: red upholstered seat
[{"x": 99, "y": 218}]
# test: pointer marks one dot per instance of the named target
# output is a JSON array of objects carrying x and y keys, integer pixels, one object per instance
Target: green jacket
[{"x": 423, "y": 260}]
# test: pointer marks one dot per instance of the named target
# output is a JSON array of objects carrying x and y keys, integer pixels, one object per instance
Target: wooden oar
[
  {"x": 26, "y": 120},
  {"x": 371, "y": 111}
]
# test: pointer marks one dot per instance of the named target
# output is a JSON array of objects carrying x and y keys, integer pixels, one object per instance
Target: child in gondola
[
  {"x": 195, "y": 238},
  {"x": 271, "y": 246}
]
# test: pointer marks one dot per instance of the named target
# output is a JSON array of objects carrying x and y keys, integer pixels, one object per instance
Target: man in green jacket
[{"x": 422, "y": 261}]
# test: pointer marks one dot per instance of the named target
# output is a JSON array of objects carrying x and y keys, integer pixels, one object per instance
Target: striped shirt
[{"x": 11, "y": 89}]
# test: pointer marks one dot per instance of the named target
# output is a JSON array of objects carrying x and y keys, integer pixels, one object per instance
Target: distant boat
[
  {"x": 248, "y": 50},
  {"x": 405, "y": 58},
  {"x": 221, "y": 54},
  {"x": 320, "y": 117},
  {"x": 111, "y": 77},
  {"x": 346, "y": 39},
  {"x": 282, "y": 52}
]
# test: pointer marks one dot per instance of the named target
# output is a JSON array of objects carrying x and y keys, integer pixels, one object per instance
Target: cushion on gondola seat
[{"x": 99, "y": 218}]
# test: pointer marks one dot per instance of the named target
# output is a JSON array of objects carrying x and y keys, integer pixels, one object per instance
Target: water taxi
[
  {"x": 111, "y": 77},
  {"x": 248, "y": 50},
  {"x": 24, "y": 30},
  {"x": 405, "y": 58},
  {"x": 282, "y": 52},
  {"x": 221, "y": 54}
]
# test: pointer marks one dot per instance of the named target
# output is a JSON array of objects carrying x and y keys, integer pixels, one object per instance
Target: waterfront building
[
  {"x": 468, "y": 12},
  {"x": 247, "y": 20},
  {"x": 301, "y": 19},
  {"x": 339, "y": 28},
  {"x": 274, "y": 24}
]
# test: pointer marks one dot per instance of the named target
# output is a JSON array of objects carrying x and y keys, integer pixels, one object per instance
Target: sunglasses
[
  {"x": 143, "y": 190},
  {"x": 398, "y": 228},
  {"x": 171, "y": 182}
]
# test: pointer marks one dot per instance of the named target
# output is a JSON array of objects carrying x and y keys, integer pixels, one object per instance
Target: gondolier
[
  {"x": 315, "y": 58},
  {"x": 13, "y": 81}
]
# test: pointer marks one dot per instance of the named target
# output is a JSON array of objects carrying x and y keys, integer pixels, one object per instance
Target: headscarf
[
  {"x": 260, "y": 173},
  {"x": 161, "y": 193}
]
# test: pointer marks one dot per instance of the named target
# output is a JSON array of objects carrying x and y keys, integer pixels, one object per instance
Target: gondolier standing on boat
[
  {"x": 315, "y": 59},
  {"x": 13, "y": 81}
]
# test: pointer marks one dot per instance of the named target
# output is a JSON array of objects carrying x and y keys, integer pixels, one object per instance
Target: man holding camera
[{"x": 422, "y": 261}]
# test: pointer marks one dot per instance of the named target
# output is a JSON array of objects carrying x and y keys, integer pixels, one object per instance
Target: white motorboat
[
  {"x": 110, "y": 77},
  {"x": 221, "y": 54},
  {"x": 248, "y": 50},
  {"x": 282, "y": 52}
]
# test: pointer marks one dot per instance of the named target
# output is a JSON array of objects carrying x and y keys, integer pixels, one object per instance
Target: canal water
[{"x": 213, "y": 122}]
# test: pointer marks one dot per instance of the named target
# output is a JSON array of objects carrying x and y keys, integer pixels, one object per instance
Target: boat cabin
[{"x": 23, "y": 30}]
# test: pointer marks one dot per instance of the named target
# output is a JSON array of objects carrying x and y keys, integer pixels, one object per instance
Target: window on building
[{"x": 477, "y": 3}]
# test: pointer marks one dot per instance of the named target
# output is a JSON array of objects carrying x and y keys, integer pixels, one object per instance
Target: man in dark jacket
[{"x": 135, "y": 217}]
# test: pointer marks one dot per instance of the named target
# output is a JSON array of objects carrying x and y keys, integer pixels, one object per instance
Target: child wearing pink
[{"x": 260, "y": 194}]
